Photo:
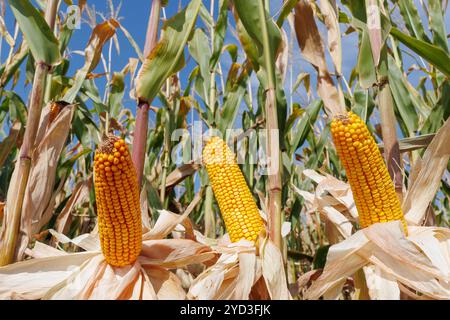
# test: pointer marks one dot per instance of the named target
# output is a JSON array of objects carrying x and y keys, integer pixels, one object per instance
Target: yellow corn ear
[
  {"x": 55, "y": 108},
  {"x": 118, "y": 206},
  {"x": 236, "y": 203},
  {"x": 369, "y": 179}
]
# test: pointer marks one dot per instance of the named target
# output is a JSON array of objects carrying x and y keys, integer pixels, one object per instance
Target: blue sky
[{"x": 134, "y": 16}]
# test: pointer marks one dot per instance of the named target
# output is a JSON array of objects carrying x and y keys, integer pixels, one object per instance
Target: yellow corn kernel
[
  {"x": 118, "y": 206},
  {"x": 369, "y": 179},
  {"x": 236, "y": 203},
  {"x": 55, "y": 109}
]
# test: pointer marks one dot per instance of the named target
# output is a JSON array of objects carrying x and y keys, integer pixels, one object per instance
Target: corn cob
[
  {"x": 118, "y": 207},
  {"x": 55, "y": 109},
  {"x": 236, "y": 203},
  {"x": 369, "y": 179}
]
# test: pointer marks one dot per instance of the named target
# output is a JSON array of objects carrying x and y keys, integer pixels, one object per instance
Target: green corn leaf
[
  {"x": 433, "y": 54},
  {"x": 412, "y": 19},
  {"x": 219, "y": 32},
  {"x": 303, "y": 127},
  {"x": 40, "y": 39},
  {"x": 167, "y": 57},
  {"x": 437, "y": 24},
  {"x": 366, "y": 66},
  {"x": 403, "y": 102}
]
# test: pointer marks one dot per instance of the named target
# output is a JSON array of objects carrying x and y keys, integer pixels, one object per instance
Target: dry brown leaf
[
  {"x": 238, "y": 270},
  {"x": 9, "y": 142},
  {"x": 79, "y": 194},
  {"x": 428, "y": 178},
  {"x": 51, "y": 140},
  {"x": 181, "y": 173},
  {"x": 173, "y": 253},
  {"x": 283, "y": 55},
  {"x": 311, "y": 45},
  {"x": 100, "y": 35},
  {"x": 308, "y": 36},
  {"x": 166, "y": 285},
  {"x": 246, "y": 277},
  {"x": 273, "y": 272},
  {"x": 382, "y": 286},
  {"x": 26, "y": 279},
  {"x": 2, "y": 209},
  {"x": 42, "y": 250},
  {"x": 329, "y": 12},
  {"x": 374, "y": 26},
  {"x": 385, "y": 246},
  {"x": 86, "y": 241},
  {"x": 54, "y": 274}
]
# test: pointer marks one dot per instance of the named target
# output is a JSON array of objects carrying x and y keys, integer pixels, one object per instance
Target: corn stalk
[
  {"x": 141, "y": 128},
  {"x": 272, "y": 141},
  {"x": 18, "y": 187},
  {"x": 210, "y": 221}
]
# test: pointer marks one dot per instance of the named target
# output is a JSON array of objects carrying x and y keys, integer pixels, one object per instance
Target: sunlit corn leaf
[
  {"x": 237, "y": 83},
  {"x": 412, "y": 20},
  {"x": 414, "y": 143},
  {"x": 308, "y": 36},
  {"x": 200, "y": 50},
  {"x": 403, "y": 102},
  {"x": 304, "y": 78},
  {"x": 439, "y": 113},
  {"x": 366, "y": 66},
  {"x": 5, "y": 34},
  {"x": 374, "y": 28},
  {"x": 249, "y": 15},
  {"x": 132, "y": 42},
  {"x": 303, "y": 127},
  {"x": 10, "y": 69},
  {"x": 219, "y": 32},
  {"x": 167, "y": 57},
  {"x": 39, "y": 37},
  {"x": 116, "y": 93},
  {"x": 17, "y": 108},
  {"x": 437, "y": 24},
  {"x": 285, "y": 11},
  {"x": 433, "y": 54},
  {"x": 206, "y": 16}
]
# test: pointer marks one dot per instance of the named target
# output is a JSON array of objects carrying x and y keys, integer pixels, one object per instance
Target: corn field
[{"x": 225, "y": 149}]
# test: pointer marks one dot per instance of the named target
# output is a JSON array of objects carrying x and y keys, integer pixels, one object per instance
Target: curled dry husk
[
  {"x": 38, "y": 200},
  {"x": 417, "y": 265},
  {"x": 55, "y": 274},
  {"x": 243, "y": 271},
  {"x": 420, "y": 262}
]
